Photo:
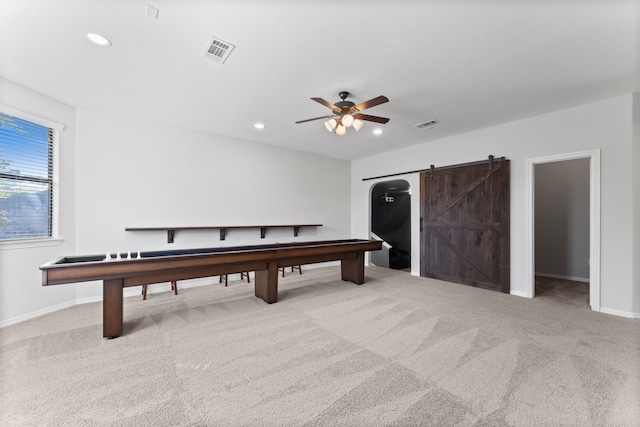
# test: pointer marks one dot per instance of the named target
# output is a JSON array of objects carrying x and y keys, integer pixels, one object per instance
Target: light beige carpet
[
  {"x": 568, "y": 291},
  {"x": 398, "y": 350}
]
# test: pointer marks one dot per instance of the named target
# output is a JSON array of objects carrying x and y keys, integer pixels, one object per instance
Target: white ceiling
[{"x": 467, "y": 64}]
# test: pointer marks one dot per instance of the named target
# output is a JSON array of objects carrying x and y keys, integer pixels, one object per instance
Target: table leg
[
  {"x": 112, "y": 308},
  {"x": 266, "y": 283},
  {"x": 353, "y": 268}
]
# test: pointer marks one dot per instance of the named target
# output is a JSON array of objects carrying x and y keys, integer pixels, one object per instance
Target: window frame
[{"x": 54, "y": 238}]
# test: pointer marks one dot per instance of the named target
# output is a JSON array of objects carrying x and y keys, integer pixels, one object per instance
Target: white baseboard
[
  {"x": 88, "y": 300},
  {"x": 561, "y": 277},
  {"x": 628, "y": 314},
  {"x": 37, "y": 313},
  {"x": 519, "y": 294}
]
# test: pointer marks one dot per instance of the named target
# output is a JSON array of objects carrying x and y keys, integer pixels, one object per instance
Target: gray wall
[{"x": 562, "y": 218}]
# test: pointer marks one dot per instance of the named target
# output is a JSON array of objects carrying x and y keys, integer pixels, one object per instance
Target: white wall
[
  {"x": 605, "y": 125},
  {"x": 132, "y": 174},
  {"x": 562, "y": 219},
  {"x": 21, "y": 290},
  {"x": 117, "y": 173}
]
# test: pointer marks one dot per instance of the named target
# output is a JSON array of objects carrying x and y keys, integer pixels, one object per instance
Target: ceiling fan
[{"x": 347, "y": 113}]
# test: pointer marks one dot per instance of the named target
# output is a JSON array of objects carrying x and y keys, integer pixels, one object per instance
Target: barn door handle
[{"x": 420, "y": 223}]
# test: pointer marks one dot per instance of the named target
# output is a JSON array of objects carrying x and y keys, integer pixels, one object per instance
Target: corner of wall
[{"x": 635, "y": 159}]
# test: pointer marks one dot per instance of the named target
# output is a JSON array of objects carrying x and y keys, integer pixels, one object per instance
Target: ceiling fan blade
[
  {"x": 316, "y": 118},
  {"x": 371, "y": 118},
  {"x": 327, "y": 104},
  {"x": 371, "y": 103}
]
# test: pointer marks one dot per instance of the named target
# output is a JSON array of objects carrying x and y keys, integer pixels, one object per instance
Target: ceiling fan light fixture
[
  {"x": 330, "y": 124},
  {"x": 347, "y": 114},
  {"x": 347, "y": 120}
]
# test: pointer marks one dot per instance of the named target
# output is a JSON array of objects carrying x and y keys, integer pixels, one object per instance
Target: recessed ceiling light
[
  {"x": 258, "y": 126},
  {"x": 377, "y": 131},
  {"x": 98, "y": 40}
]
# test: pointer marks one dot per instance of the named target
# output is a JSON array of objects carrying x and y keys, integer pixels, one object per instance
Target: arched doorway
[{"x": 391, "y": 223}]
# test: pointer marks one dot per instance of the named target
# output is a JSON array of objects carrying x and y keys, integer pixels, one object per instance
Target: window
[{"x": 26, "y": 178}]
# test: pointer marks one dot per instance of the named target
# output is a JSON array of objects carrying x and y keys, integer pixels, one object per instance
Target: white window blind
[{"x": 26, "y": 179}]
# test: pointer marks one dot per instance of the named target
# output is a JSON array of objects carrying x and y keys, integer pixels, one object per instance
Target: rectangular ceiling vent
[
  {"x": 426, "y": 125},
  {"x": 217, "y": 50}
]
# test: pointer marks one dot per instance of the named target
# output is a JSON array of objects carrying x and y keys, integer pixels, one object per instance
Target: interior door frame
[{"x": 594, "y": 221}]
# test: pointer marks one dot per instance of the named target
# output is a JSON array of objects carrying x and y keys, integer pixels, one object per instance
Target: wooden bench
[
  {"x": 174, "y": 288},
  {"x": 293, "y": 268},
  {"x": 174, "y": 284}
]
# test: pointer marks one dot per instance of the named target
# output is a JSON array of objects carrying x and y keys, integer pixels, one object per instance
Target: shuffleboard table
[{"x": 167, "y": 266}]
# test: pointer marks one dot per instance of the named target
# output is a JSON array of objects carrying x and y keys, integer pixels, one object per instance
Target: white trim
[
  {"x": 519, "y": 294},
  {"x": 88, "y": 300},
  {"x": 55, "y": 187},
  {"x": 37, "y": 313},
  {"x": 594, "y": 221},
  {"x": 561, "y": 277},
  {"x": 29, "y": 243},
  {"x": 413, "y": 219},
  {"x": 30, "y": 117},
  {"x": 614, "y": 312}
]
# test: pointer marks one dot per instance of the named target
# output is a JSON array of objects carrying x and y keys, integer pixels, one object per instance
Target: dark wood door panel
[{"x": 465, "y": 224}]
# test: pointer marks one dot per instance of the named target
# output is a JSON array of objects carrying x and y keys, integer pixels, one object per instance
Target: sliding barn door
[{"x": 464, "y": 232}]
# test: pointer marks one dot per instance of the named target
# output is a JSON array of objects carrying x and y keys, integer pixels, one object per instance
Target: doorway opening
[
  {"x": 561, "y": 222},
  {"x": 532, "y": 263},
  {"x": 391, "y": 223}
]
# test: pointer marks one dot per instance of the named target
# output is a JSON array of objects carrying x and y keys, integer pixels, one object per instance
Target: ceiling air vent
[
  {"x": 426, "y": 125},
  {"x": 217, "y": 50}
]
